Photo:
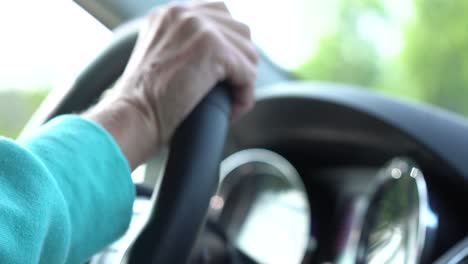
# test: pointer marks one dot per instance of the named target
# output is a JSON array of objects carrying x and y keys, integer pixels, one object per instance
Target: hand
[{"x": 182, "y": 51}]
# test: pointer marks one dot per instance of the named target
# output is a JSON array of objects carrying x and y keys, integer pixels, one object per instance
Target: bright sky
[
  {"x": 45, "y": 42},
  {"x": 290, "y": 31},
  {"x": 286, "y": 30},
  {"x": 48, "y": 41}
]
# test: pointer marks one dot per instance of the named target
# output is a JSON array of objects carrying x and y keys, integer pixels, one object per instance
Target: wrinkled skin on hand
[{"x": 182, "y": 51}]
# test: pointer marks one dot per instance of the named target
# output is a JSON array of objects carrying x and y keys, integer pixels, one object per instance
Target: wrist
[{"x": 131, "y": 124}]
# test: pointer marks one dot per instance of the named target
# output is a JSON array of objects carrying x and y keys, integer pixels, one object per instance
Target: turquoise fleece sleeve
[{"x": 65, "y": 193}]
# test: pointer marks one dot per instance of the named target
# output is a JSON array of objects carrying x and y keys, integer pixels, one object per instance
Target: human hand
[{"x": 182, "y": 51}]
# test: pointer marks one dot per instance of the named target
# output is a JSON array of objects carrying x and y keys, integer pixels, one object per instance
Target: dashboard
[
  {"x": 318, "y": 173},
  {"x": 340, "y": 140},
  {"x": 377, "y": 216}
]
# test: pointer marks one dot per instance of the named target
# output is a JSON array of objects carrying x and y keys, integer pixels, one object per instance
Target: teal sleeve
[{"x": 65, "y": 193}]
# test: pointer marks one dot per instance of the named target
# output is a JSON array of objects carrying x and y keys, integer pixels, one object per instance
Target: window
[
  {"x": 44, "y": 45},
  {"x": 413, "y": 49}
]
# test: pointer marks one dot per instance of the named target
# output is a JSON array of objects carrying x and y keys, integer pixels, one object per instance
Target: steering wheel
[{"x": 191, "y": 174}]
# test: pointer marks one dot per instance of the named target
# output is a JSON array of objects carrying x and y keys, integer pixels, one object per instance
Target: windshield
[
  {"x": 413, "y": 49},
  {"x": 44, "y": 45}
]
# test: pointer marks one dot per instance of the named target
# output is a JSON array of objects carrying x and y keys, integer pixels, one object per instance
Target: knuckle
[
  {"x": 176, "y": 10},
  {"x": 207, "y": 35},
  {"x": 245, "y": 29},
  {"x": 191, "y": 22},
  {"x": 212, "y": 43},
  {"x": 221, "y": 5}
]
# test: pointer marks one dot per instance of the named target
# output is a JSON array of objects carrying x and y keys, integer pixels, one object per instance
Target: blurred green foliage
[
  {"x": 431, "y": 65},
  {"x": 436, "y": 54},
  {"x": 16, "y": 107},
  {"x": 344, "y": 54}
]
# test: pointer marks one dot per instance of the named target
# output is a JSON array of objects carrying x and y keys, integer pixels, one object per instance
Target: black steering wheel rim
[{"x": 191, "y": 174}]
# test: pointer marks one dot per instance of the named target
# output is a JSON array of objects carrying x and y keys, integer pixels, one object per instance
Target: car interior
[{"x": 317, "y": 172}]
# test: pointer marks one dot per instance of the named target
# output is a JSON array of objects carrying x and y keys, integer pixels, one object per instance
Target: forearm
[{"x": 131, "y": 126}]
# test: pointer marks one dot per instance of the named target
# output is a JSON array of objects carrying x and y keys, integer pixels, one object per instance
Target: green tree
[
  {"x": 432, "y": 65},
  {"x": 344, "y": 54},
  {"x": 436, "y": 52}
]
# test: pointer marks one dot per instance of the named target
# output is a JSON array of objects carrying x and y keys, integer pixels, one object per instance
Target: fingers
[
  {"x": 246, "y": 47},
  {"x": 241, "y": 74},
  {"x": 223, "y": 19},
  {"x": 228, "y": 40},
  {"x": 219, "y": 12},
  {"x": 241, "y": 107},
  {"x": 235, "y": 32},
  {"x": 241, "y": 64},
  {"x": 214, "y": 5}
]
